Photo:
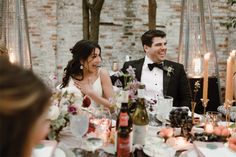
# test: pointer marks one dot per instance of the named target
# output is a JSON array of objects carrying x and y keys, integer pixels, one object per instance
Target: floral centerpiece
[
  {"x": 63, "y": 105},
  {"x": 130, "y": 83}
]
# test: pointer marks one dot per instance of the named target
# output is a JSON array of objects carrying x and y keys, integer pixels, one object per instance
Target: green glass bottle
[{"x": 140, "y": 118}]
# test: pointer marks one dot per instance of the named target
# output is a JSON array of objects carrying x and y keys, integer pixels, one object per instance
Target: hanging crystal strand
[{"x": 16, "y": 32}]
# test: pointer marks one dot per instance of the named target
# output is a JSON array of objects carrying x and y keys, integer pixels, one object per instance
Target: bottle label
[
  {"x": 124, "y": 119},
  {"x": 141, "y": 93},
  {"x": 139, "y": 134},
  {"x": 123, "y": 147}
]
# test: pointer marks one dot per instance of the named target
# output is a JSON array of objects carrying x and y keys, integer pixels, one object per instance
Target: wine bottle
[
  {"x": 140, "y": 118},
  {"x": 124, "y": 130}
]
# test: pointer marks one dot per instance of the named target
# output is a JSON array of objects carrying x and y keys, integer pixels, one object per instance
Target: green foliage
[
  {"x": 231, "y": 22},
  {"x": 231, "y": 2}
]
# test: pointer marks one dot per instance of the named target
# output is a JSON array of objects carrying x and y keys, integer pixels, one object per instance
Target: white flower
[
  {"x": 169, "y": 69},
  {"x": 53, "y": 112}
]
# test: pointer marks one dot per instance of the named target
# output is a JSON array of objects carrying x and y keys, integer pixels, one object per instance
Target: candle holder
[
  {"x": 227, "y": 105},
  {"x": 193, "y": 105},
  {"x": 204, "y": 104}
]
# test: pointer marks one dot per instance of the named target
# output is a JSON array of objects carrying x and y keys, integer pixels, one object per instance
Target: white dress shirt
[{"x": 152, "y": 79}]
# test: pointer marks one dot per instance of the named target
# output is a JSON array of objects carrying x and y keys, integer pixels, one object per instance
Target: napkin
[{"x": 216, "y": 149}]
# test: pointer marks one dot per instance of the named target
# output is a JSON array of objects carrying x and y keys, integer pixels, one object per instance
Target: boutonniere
[{"x": 169, "y": 70}]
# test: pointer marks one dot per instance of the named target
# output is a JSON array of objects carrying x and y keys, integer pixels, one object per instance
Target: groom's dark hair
[{"x": 149, "y": 35}]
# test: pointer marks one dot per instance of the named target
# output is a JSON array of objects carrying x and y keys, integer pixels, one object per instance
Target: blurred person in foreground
[
  {"x": 161, "y": 76},
  {"x": 84, "y": 77},
  {"x": 24, "y": 103}
]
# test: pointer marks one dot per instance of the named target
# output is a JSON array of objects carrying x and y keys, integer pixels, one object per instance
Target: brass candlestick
[
  {"x": 227, "y": 105},
  {"x": 193, "y": 105},
  {"x": 204, "y": 104}
]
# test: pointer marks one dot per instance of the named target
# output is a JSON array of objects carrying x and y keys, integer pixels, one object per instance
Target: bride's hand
[{"x": 85, "y": 88}]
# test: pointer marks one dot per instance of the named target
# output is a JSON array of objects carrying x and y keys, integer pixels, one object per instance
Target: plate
[
  {"x": 161, "y": 150},
  {"x": 110, "y": 149},
  {"x": 189, "y": 153},
  {"x": 59, "y": 153},
  {"x": 93, "y": 143},
  {"x": 224, "y": 123}
]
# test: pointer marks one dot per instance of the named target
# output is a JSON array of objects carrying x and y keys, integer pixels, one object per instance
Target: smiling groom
[{"x": 161, "y": 76}]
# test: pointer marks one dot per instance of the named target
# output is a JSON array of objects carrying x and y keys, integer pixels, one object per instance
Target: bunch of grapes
[
  {"x": 178, "y": 116},
  {"x": 205, "y": 137},
  {"x": 179, "y": 119}
]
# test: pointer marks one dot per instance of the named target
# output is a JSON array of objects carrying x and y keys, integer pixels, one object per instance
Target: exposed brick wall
[{"x": 55, "y": 26}]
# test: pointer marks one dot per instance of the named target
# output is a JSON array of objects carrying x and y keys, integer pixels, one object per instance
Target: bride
[{"x": 84, "y": 77}]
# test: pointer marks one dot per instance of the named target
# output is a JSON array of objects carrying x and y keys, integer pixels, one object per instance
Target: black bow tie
[{"x": 151, "y": 66}]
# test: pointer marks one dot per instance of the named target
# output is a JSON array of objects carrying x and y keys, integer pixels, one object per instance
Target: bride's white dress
[
  {"x": 97, "y": 87},
  {"x": 66, "y": 138}
]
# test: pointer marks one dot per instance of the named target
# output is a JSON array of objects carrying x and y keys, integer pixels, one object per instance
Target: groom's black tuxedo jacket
[{"x": 175, "y": 85}]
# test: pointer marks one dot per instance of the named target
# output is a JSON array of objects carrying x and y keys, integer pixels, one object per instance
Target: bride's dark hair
[{"x": 80, "y": 52}]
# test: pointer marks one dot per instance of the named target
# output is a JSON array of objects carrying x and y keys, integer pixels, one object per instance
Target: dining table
[{"x": 158, "y": 146}]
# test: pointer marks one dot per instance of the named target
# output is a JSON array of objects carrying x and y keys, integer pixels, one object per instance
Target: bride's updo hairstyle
[
  {"x": 24, "y": 98},
  {"x": 80, "y": 52}
]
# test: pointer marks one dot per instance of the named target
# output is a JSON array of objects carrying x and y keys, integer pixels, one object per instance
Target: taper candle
[
  {"x": 229, "y": 81},
  {"x": 205, "y": 76}
]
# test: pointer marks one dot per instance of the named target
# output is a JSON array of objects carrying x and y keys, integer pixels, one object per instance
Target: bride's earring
[{"x": 81, "y": 67}]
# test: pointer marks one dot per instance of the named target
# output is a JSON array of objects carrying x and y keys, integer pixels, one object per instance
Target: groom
[{"x": 163, "y": 77}]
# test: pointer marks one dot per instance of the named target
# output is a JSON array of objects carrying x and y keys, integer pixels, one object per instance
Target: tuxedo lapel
[
  {"x": 139, "y": 68},
  {"x": 166, "y": 79}
]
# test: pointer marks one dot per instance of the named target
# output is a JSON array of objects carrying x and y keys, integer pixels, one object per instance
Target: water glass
[
  {"x": 79, "y": 125},
  {"x": 213, "y": 117},
  {"x": 164, "y": 106}
]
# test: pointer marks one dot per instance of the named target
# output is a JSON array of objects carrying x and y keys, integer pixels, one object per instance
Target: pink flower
[{"x": 72, "y": 109}]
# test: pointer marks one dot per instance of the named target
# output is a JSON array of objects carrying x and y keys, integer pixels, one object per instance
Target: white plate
[
  {"x": 110, "y": 149},
  {"x": 161, "y": 150},
  {"x": 59, "y": 153},
  {"x": 224, "y": 123},
  {"x": 189, "y": 153}
]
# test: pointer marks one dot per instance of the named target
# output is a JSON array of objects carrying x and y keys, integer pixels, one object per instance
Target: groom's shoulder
[
  {"x": 176, "y": 64},
  {"x": 133, "y": 62}
]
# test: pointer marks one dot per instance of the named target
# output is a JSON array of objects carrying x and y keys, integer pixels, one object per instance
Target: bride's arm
[{"x": 106, "y": 88}]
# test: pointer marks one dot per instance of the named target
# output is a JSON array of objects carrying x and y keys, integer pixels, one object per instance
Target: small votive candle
[{"x": 209, "y": 128}]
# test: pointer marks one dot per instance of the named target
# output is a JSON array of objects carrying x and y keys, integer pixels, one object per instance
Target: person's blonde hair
[{"x": 23, "y": 99}]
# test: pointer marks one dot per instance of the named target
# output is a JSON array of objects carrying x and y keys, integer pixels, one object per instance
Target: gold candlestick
[
  {"x": 228, "y": 103},
  {"x": 204, "y": 104},
  {"x": 193, "y": 105}
]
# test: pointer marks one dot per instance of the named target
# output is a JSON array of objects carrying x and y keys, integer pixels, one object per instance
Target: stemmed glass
[
  {"x": 79, "y": 125},
  {"x": 101, "y": 121}
]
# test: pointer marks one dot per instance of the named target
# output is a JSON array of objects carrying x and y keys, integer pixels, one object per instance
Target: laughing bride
[{"x": 84, "y": 77}]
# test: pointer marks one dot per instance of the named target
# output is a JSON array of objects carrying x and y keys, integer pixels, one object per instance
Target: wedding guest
[
  {"x": 24, "y": 103},
  {"x": 85, "y": 78},
  {"x": 163, "y": 77}
]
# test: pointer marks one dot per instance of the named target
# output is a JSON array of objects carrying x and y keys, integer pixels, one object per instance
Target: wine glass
[
  {"x": 103, "y": 128},
  {"x": 79, "y": 125},
  {"x": 101, "y": 121}
]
